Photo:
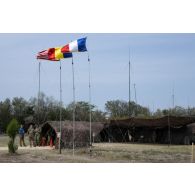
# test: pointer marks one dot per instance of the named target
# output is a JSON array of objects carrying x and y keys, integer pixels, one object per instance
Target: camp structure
[
  {"x": 82, "y": 134},
  {"x": 164, "y": 130}
]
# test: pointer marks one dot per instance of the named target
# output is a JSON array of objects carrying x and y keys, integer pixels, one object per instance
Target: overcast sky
[{"x": 159, "y": 63}]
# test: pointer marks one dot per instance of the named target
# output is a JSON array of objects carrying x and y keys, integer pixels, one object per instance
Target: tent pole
[
  {"x": 73, "y": 133},
  {"x": 60, "y": 111},
  {"x": 90, "y": 142}
]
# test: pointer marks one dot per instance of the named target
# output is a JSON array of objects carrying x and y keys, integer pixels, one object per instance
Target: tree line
[{"x": 49, "y": 110}]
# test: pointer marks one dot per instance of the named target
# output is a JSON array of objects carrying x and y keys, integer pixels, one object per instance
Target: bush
[
  {"x": 12, "y": 130},
  {"x": 12, "y": 147}
]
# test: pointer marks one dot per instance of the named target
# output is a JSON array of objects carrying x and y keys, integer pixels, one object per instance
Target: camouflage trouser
[
  {"x": 37, "y": 139},
  {"x": 31, "y": 141}
]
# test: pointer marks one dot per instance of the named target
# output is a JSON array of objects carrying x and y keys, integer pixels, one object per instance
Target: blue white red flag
[{"x": 76, "y": 46}]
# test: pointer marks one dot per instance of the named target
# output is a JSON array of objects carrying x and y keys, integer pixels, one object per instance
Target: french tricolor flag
[{"x": 76, "y": 46}]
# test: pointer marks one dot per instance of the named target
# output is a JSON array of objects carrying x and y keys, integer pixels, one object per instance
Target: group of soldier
[{"x": 34, "y": 134}]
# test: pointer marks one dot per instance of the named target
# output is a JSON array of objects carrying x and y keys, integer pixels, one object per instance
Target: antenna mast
[
  {"x": 135, "y": 99},
  {"x": 173, "y": 98},
  {"x": 38, "y": 102},
  {"x": 135, "y": 93},
  {"x": 129, "y": 84}
]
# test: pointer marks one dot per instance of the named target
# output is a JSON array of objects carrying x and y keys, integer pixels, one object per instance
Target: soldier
[
  {"x": 21, "y": 134},
  {"x": 31, "y": 135},
  {"x": 37, "y": 136}
]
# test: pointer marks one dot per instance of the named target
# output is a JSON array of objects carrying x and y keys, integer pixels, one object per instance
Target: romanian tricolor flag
[{"x": 55, "y": 54}]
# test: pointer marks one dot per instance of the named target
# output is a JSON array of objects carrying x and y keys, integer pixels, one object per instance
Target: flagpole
[
  {"x": 60, "y": 110},
  {"x": 38, "y": 102},
  {"x": 73, "y": 87},
  {"x": 135, "y": 99},
  {"x": 90, "y": 142},
  {"x": 129, "y": 85}
]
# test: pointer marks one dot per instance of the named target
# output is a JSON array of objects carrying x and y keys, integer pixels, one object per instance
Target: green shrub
[
  {"x": 12, "y": 130},
  {"x": 12, "y": 146}
]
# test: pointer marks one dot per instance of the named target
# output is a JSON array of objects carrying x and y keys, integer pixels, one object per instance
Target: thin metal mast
[
  {"x": 173, "y": 97},
  {"x": 169, "y": 112},
  {"x": 135, "y": 93},
  {"x": 90, "y": 142},
  {"x": 73, "y": 114},
  {"x": 129, "y": 84},
  {"x": 188, "y": 107},
  {"x": 135, "y": 99},
  {"x": 38, "y": 102},
  {"x": 60, "y": 110},
  {"x": 169, "y": 129}
]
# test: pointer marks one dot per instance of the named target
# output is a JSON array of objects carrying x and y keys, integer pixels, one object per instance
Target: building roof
[
  {"x": 79, "y": 126},
  {"x": 154, "y": 122}
]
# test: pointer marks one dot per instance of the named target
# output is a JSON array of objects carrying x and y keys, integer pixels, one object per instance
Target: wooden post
[{"x": 192, "y": 159}]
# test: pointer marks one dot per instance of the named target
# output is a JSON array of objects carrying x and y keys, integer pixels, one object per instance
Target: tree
[
  {"x": 20, "y": 108},
  {"x": 12, "y": 130},
  {"x": 98, "y": 116},
  {"x": 5, "y": 113},
  {"x": 120, "y": 109},
  {"x": 158, "y": 113},
  {"x": 48, "y": 108},
  {"x": 178, "y": 111},
  {"x": 82, "y": 111},
  {"x": 117, "y": 108}
]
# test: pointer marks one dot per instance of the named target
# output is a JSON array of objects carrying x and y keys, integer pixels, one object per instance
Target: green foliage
[
  {"x": 49, "y": 109},
  {"x": 45, "y": 109},
  {"x": 20, "y": 108},
  {"x": 12, "y": 129},
  {"x": 176, "y": 111},
  {"x": 120, "y": 109},
  {"x": 12, "y": 146},
  {"x": 5, "y": 113},
  {"x": 82, "y": 110}
]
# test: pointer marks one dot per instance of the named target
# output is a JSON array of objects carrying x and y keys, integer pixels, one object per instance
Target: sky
[{"x": 159, "y": 64}]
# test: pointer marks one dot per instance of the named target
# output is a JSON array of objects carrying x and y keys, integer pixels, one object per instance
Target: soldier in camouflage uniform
[
  {"x": 31, "y": 134},
  {"x": 37, "y": 136}
]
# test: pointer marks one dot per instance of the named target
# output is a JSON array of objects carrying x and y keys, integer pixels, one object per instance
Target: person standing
[
  {"x": 31, "y": 135},
  {"x": 37, "y": 136},
  {"x": 21, "y": 134}
]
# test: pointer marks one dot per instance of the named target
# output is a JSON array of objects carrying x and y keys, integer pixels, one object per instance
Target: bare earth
[{"x": 101, "y": 152}]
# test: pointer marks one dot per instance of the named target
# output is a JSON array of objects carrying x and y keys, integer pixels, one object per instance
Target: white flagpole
[
  {"x": 73, "y": 130},
  {"x": 90, "y": 142},
  {"x": 60, "y": 111}
]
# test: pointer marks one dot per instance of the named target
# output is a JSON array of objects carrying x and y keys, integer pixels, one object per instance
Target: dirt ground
[{"x": 101, "y": 153}]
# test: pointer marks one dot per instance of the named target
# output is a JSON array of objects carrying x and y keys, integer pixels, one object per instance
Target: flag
[
  {"x": 76, "y": 46},
  {"x": 57, "y": 53},
  {"x": 53, "y": 54}
]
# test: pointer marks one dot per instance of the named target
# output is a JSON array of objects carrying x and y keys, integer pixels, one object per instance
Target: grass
[
  {"x": 101, "y": 152},
  {"x": 4, "y": 140}
]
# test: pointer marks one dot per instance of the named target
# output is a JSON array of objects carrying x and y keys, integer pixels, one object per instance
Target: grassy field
[{"x": 101, "y": 152}]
